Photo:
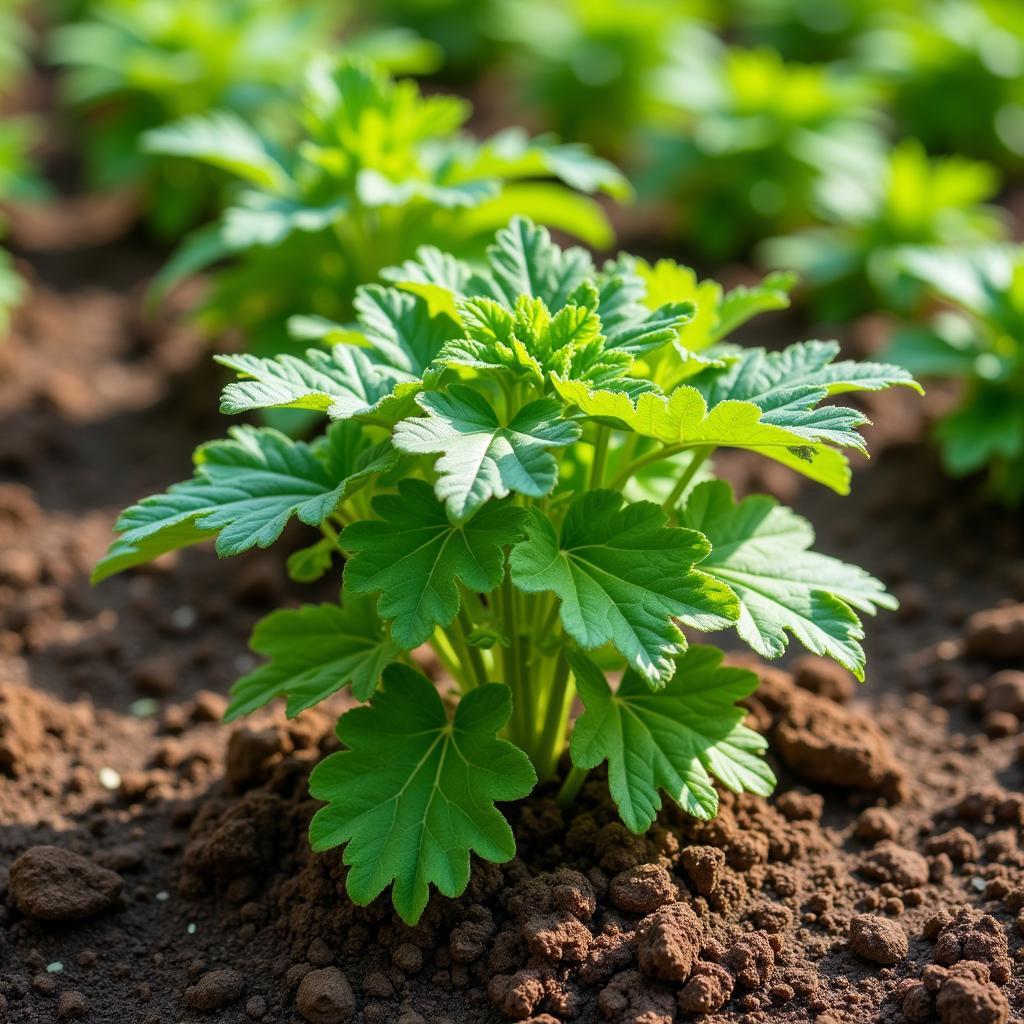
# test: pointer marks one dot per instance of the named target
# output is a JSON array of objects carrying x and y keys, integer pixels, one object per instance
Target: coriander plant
[
  {"x": 977, "y": 339},
  {"x": 133, "y": 65},
  {"x": 872, "y": 203},
  {"x": 739, "y": 147},
  {"x": 955, "y": 73},
  {"x": 498, "y": 436},
  {"x": 590, "y": 66},
  {"x": 376, "y": 170}
]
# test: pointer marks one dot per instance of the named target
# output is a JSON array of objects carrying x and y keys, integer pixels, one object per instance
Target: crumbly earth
[{"x": 884, "y": 882}]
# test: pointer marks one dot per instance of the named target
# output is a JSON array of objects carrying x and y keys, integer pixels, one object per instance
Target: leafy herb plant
[
  {"x": 977, "y": 338},
  {"x": 376, "y": 171},
  {"x": 955, "y": 73},
  {"x": 517, "y": 474},
  {"x": 873, "y": 203},
  {"x": 740, "y": 149},
  {"x": 134, "y": 65}
]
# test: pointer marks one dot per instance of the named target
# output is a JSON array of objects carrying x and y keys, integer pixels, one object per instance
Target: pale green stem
[
  {"x": 472, "y": 653},
  {"x": 600, "y": 454},
  {"x": 571, "y": 786},
  {"x": 646, "y": 460},
  {"x": 697, "y": 460},
  {"x": 556, "y": 719}
]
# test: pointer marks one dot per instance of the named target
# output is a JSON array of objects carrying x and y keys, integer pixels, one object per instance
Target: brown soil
[{"x": 154, "y": 865}]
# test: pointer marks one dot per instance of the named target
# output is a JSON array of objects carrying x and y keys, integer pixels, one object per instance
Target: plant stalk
[
  {"x": 555, "y": 719},
  {"x": 699, "y": 457},
  {"x": 571, "y": 786},
  {"x": 600, "y": 455}
]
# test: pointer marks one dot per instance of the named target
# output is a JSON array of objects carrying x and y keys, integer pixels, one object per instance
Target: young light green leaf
[
  {"x": 683, "y": 419},
  {"x": 675, "y": 740},
  {"x": 481, "y": 458},
  {"x": 788, "y": 387},
  {"x": 623, "y": 577},
  {"x": 244, "y": 491},
  {"x": 314, "y": 651},
  {"x": 414, "y": 794},
  {"x": 761, "y": 550},
  {"x": 415, "y": 557}
]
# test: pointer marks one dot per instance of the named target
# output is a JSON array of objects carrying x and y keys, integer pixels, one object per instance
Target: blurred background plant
[
  {"x": 133, "y": 65},
  {"x": 873, "y": 202},
  {"x": 827, "y": 138},
  {"x": 973, "y": 332},
  {"x": 740, "y": 147},
  {"x": 955, "y": 74},
  {"x": 377, "y": 170}
]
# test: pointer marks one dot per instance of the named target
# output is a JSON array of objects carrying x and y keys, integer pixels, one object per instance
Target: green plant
[
  {"x": 955, "y": 73},
  {"x": 873, "y": 204},
  {"x": 808, "y": 30},
  {"x": 461, "y": 28},
  {"x": 15, "y": 39},
  {"x": 740, "y": 152},
  {"x": 133, "y": 65},
  {"x": 590, "y": 67},
  {"x": 498, "y": 434},
  {"x": 17, "y": 182},
  {"x": 977, "y": 339},
  {"x": 378, "y": 170}
]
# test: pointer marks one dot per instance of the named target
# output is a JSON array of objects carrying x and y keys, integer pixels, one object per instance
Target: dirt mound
[{"x": 51, "y": 884}]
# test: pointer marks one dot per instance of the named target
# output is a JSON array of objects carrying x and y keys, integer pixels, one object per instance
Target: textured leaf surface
[
  {"x": 414, "y": 794},
  {"x": 400, "y": 328},
  {"x": 525, "y": 261},
  {"x": 684, "y": 418},
  {"x": 623, "y": 577},
  {"x": 788, "y": 386},
  {"x": 760, "y": 549},
  {"x": 744, "y": 302},
  {"x": 415, "y": 557},
  {"x": 481, "y": 458},
  {"x": 314, "y": 651},
  {"x": 244, "y": 492},
  {"x": 675, "y": 740},
  {"x": 342, "y": 382}
]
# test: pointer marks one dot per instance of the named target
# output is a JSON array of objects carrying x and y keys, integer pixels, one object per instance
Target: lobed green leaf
[
  {"x": 623, "y": 577},
  {"x": 413, "y": 795},
  {"x": 677, "y": 739}
]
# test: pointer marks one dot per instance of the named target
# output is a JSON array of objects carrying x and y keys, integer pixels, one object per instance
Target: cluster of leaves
[
  {"x": 742, "y": 151},
  {"x": 955, "y": 74},
  {"x": 806, "y": 31},
  {"x": 872, "y": 204},
  {"x": 497, "y": 435},
  {"x": 741, "y": 137},
  {"x": 590, "y": 65},
  {"x": 376, "y": 171},
  {"x": 977, "y": 338},
  {"x": 134, "y": 65}
]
